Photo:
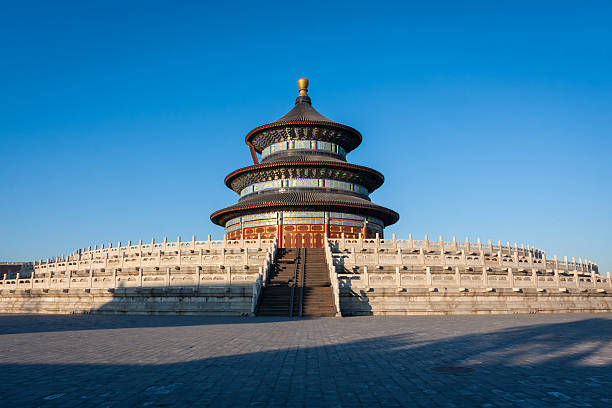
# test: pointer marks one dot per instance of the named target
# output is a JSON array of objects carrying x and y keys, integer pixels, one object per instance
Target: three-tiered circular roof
[{"x": 304, "y": 123}]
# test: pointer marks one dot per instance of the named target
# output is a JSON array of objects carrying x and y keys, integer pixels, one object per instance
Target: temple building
[
  {"x": 304, "y": 239},
  {"x": 303, "y": 189}
]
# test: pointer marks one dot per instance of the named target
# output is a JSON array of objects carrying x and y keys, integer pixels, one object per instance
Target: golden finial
[{"x": 303, "y": 85}]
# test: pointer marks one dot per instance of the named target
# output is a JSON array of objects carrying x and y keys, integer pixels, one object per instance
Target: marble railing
[
  {"x": 230, "y": 252},
  {"x": 333, "y": 277},
  {"x": 424, "y": 252},
  {"x": 221, "y": 263},
  {"x": 365, "y": 263}
]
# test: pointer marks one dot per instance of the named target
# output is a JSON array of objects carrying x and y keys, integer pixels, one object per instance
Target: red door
[{"x": 307, "y": 241}]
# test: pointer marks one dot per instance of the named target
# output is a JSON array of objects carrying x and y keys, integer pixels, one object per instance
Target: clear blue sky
[{"x": 119, "y": 120}]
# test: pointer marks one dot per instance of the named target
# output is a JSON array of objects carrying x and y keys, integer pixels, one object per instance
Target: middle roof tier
[{"x": 332, "y": 170}]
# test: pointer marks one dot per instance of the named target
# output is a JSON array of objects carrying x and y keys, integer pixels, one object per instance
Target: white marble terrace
[
  {"x": 435, "y": 264},
  {"x": 165, "y": 264}
]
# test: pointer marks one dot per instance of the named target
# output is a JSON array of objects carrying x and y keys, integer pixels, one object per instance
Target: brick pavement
[{"x": 119, "y": 361}]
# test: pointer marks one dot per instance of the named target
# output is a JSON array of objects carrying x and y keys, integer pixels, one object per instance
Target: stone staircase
[
  {"x": 298, "y": 286},
  {"x": 317, "y": 297}
]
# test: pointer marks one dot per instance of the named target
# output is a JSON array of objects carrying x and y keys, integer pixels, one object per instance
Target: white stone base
[
  {"x": 218, "y": 301},
  {"x": 387, "y": 301}
]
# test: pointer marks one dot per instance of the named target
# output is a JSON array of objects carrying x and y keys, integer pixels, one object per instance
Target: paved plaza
[{"x": 446, "y": 361}]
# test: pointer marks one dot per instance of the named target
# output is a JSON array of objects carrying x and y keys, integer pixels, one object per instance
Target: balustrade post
[
  {"x": 366, "y": 277},
  {"x": 17, "y": 281},
  {"x": 180, "y": 249},
  {"x": 229, "y": 275},
  {"x": 398, "y": 277},
  {"x": 400, "y": 260},
  {"x": 32, "y": 277},
  {"x": 457, "y": 276},
  {"x": 168, "y": 277},
  {"x": 90, "y": 279},
  {"x": 511, "y": 277},
  {"x": 69, "y": 278},
  {"x": 576, "y": 278},
  {"x": 198, "y": 268},
  {"x": 609, "y": 279},
  {"x": 534, "y": 276},
  {"x": 485, "y": 277},
  {"x": 410, "y": 241},
  {"x": 114, "y": 278},
  {"x": 428, "y": 277}
]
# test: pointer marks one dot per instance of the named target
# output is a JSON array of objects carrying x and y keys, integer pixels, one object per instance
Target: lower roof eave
[{"x": 387, "y": 215}]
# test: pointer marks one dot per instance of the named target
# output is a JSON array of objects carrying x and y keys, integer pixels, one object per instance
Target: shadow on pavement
[
  {"x": 13, "y": 324},
  {"x": 558, "y": 364}
]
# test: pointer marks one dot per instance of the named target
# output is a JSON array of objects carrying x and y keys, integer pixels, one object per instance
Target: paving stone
[{"x": 121, "y": 361}]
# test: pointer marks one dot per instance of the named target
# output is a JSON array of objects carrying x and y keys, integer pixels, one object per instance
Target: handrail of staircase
[
  {"x": 302, "y": 283},
  {"x": 264, "y": 276},
  {"x": 269, "y": 262},
  {"x": 292, "y": 293},
  {"x": 333, "y": 277}
]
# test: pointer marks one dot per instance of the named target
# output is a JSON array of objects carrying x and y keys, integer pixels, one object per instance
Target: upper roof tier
[{"x": 303, "y": 122}]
